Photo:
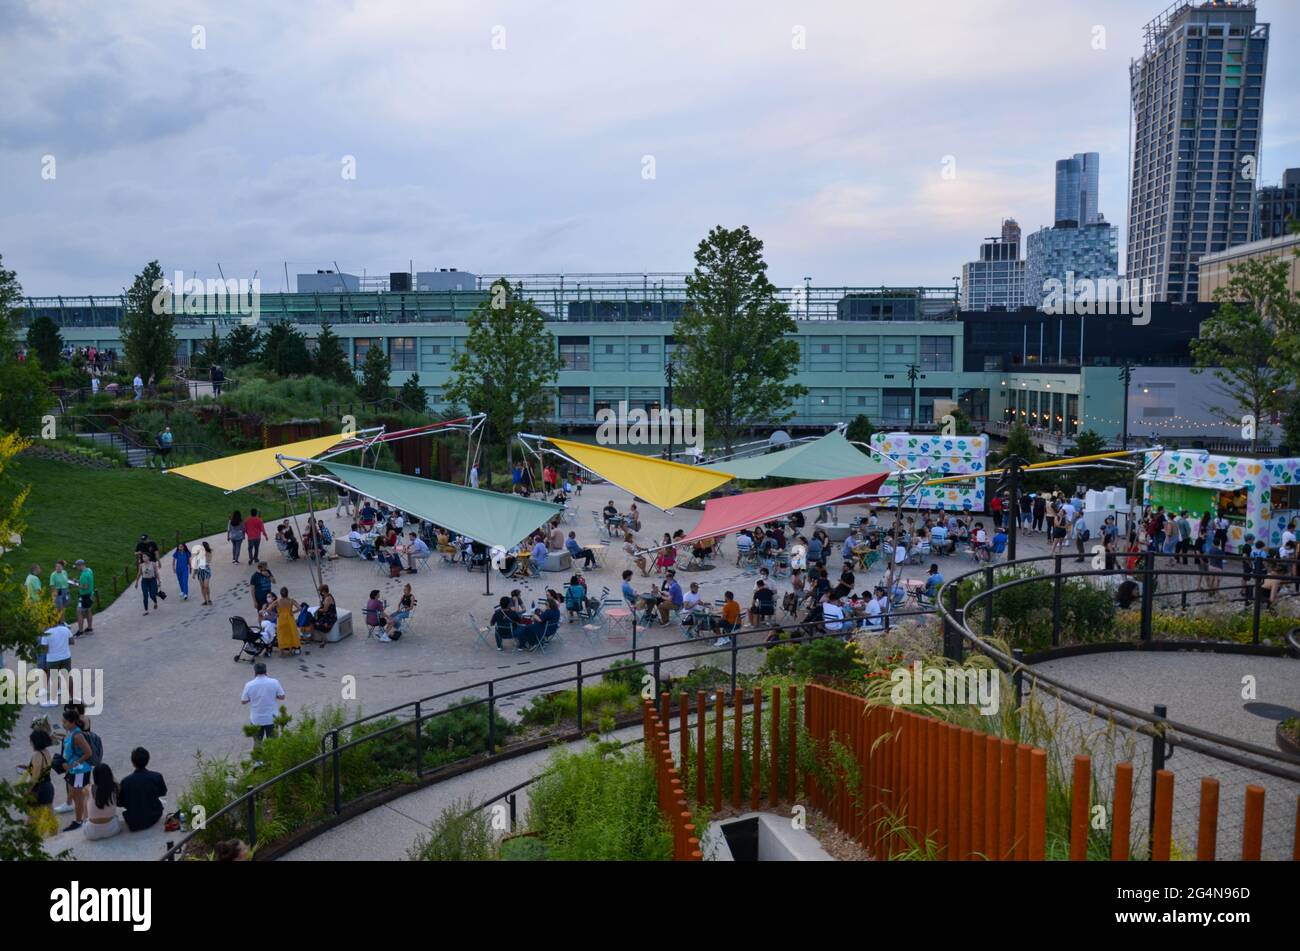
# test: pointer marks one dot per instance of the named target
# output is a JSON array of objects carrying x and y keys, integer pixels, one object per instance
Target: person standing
[
  {"x": 254, "y": 532},
  {"x": 263, "y": 695},
  {"x": 59, "y": 587},
  {"x": 201, "y": 558},
  {"x": 235, "y": 534},
  {"x": 165, "y": 441},
  {"x": 56, "y": 647},
  {"x": 262, "y": 582},
  {"x": 287, "y": 636},
  {"x": 137, "y": 384},
  {"x": 85, "y": 597},
  {"x": 32, "y": 587},
  {"x": 473, "y": 476},
  {"x": 146, "y": 579},
  {"x": 181, "y": 565},
  {"x": 78, "y": 761}
]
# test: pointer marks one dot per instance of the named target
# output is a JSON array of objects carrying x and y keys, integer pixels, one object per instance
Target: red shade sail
[{"x": 731, "y": 514}]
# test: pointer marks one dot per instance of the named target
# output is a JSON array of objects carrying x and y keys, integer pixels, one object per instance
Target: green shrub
[
  {"x": 461, "y": 732},
  {"x": 600, "y": 701},
  {"x": 1023, "y": 613},
  {"x": 216, "y": 781},
  {"x": 628, "y": 672},
  {"x": 826, "y": 657},
  {"x": 706, "y": 677},
  {"x": 599, "y": 805},
  {"x": 779, "y": 661},
  {"x": 524, "y": 848},
  {"x": 461, "y": 834}
]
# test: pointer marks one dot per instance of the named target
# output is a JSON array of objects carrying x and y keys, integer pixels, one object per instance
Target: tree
[
  {"x": 24, "y": 389},
  {"x": 1245, "y": 345},
  {"x": 859, "y": 430},
  {"x": 210, "y": 353},
  {"x": 1089, "y": 443},
  {"x": 148, "y": 325},
  {"x": 243, "y": 345},
  {"x": 509, "y": 361},
  {"x": 1019, "y": 443},
  {"x": 412, "y": 395},
  {"x": 45, "y": 341},
  {"x": 734, "y": 354},
  {"x": 374, "y": 374},
  {"x": 331, "y": 359},
  {"x": 284, "y": 351},
  {"x": 19, "y": 623}
]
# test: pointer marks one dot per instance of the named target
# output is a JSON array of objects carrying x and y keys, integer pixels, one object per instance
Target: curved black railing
[
  {"x": 1252, "y": 763},
  {"x": 413, "y": 715}
]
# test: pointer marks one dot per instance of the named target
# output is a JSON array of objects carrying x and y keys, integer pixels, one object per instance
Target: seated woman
[
  {"x": 575, "y": 598},
  {"x": 405, "y": 606},
  {"x": 286, "y": 541},
  {"x": 326, "y": 616},
  {"x": 102, "y": 805},
  {"x": 634, "y": 554},
  {"x": 667, "y": 557}
]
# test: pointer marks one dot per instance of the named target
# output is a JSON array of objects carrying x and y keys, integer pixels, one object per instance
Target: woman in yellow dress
[{"x": 287, "y": 637}]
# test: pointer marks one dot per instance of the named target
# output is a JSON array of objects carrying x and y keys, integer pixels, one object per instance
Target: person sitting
[
  {"x": 744, "y": 547},
  {"x": 940, "y": 543},
  {"x": 415, "y": 549},
  {"x": 730, "y": 620},
  {"x": 537, "y": 555},
  {"x": 576, "y": 551},
  {"x": 507, "y": 622},
  {"x": 816, "y": 555},
  {"x": 933, "y": 581},
  {"x": 575, "y": 598},
  {"x": 405, "y": 607},
  {"x": 358, "y": 542},
  {"x": 999, "y": 543},
  {"x": 764, "y": 604},
  {"x": 286, "y": 541},
  {"x": 667, "y": 557},
  {"x": 611, "y": 516},
  {"x": 376, "y": 617},
  {"x": 634, "y": 554},
  {"x": 140, "y": 794},
  {"x": 366, "y": 517},
  {"x": 102, "y": 805},
  {"x": 547, "y": 618},
  {"x": 326, "y": 616},
  {"x": 833, "y": 616}
]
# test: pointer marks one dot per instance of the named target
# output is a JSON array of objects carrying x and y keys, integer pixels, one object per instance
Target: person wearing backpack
[{"x": 78, "y": 760}]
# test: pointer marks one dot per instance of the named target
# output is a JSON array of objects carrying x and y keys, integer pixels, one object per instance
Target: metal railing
[
  {"x": 414, "y": 716},
  {"x": 1207, "y": 754}
]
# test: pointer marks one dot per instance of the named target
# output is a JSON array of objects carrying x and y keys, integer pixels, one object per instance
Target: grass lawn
[{"x": 99, "y": 514}]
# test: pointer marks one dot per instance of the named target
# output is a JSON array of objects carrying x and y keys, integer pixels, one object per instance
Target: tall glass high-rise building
[
  {"x": 1197, "y": 95},
  {"x": 1077, "y": 181}
]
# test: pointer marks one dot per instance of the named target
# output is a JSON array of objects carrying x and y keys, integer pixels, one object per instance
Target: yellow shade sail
[
  {"x": 660, "y": 482},
  {"x": 233, "y": 473}
]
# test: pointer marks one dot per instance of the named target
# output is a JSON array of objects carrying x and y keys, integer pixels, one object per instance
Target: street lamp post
[
  {"x": 669, "y": 370},
  {"x": 913, "y": 373},
  {"x": 1125, "y": 374}
]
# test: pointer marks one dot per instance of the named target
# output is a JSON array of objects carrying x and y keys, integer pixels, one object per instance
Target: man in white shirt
[
  {"x": 416, "y": 548},
  {"x": 873, "y": 613},
  {"x": 473, "y": 477},
  {"x": 263, "y": 694},
  {"x": 57, "y": 642},
  {"x": 832, "y": 616}
]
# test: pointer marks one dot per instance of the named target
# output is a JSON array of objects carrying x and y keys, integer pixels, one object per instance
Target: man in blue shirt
[
  {"x": 999, "y": 544},
  {"x": 577, "y": 551},
  {"x": 675, "y": 597},
  {"x": 629, "y": 592},
  {"x": 934, "y": 580},
  {"x": 539, "y": 552}
]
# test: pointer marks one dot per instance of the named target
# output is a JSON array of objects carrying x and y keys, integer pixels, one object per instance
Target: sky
[{"x": 865, "y": 143}]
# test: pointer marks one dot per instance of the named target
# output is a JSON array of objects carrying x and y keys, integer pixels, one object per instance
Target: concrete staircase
[{"x": 135, "y": 457}]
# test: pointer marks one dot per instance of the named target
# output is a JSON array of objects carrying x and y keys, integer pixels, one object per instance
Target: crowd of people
[{"x": 101, "y": 806}]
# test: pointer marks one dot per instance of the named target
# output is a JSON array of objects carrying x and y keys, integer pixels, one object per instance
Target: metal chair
[{"x": 481, "y": 632}]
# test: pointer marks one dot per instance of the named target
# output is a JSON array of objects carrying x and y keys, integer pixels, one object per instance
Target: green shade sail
[
  {"x": 830, "y": 457},
  {"x": 492, "y": 518}
]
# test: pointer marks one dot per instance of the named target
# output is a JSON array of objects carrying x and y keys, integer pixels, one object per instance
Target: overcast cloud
[{"x": 530, "y": 158}]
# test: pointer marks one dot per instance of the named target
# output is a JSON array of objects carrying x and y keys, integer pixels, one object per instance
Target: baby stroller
[{"x": 252, "y": 643}]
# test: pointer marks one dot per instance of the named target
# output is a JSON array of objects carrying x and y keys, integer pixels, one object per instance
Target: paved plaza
[{"x": 171, "y": 684}]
